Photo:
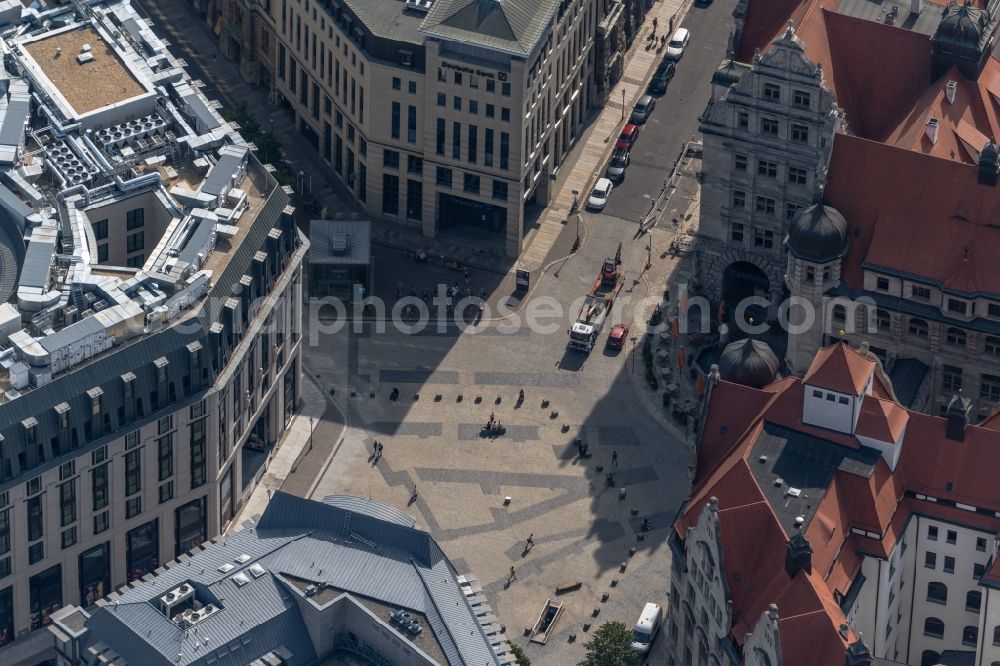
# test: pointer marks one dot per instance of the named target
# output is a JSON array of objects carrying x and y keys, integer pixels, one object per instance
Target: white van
[{"x": 646, "y": 627}]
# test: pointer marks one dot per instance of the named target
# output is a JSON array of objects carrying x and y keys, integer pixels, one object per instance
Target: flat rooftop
[{"x": 102, "y": 81}]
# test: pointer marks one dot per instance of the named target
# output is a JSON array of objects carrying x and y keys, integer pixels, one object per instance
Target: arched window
[
  {"x": 930, "y": 658},
  {"x": 937, "y": 592},
  {"x": 992, "y": 345},
  {"x": 970, "y": 635},
  {"x": 839, "y": 314},
  {"x": 955, "y": 337},
  {"x": 933, "y": 627},
  {"x": 917, "y": 327},
  {"x": 973, "y": 600},
  {"x": 883, "y": 321}
]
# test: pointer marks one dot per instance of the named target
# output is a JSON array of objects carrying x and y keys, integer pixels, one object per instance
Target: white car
[
  {"x": 599, "y": 197},
  {"x": 677, "y": 43}
]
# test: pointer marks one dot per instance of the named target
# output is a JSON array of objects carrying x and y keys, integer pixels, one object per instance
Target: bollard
[
  {"x": 437, "y": 398},
  {"x": 604, "y": 597},
  {"x": 595, "y": 612},
  {"x": 631, "y": 552},
  {"x": 459, "y": 398},
  {"x": 586, "y": 627},
  {"x": 479, "y": 399},
  {"x": 416, "y": 396},
  {"x": 614, "y": 582},
  {"x": 621, "y": 567}
]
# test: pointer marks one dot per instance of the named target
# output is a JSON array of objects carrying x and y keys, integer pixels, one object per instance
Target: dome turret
[
  {"x": 749, "y": 362},
  {"x": 818, "y": 233}
]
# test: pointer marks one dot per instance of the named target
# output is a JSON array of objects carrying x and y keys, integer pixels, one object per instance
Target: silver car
[{"x": 642, "y": 109}]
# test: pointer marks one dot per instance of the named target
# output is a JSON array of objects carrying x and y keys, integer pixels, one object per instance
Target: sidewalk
[
  {"x": 598, "y": 140},
  {"x": 325, "y": 432}
]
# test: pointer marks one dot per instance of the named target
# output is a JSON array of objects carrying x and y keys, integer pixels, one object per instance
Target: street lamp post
[
  {"x": 312, "y": 420},
  {"x": 623, "y": 102},
  {"x": 633, "y": 338}
]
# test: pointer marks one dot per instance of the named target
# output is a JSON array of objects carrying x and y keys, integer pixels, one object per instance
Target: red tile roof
[
  {"x": 883, "y": 420},
  {"x": 754, "y": 540},
  {"x": 899, "y": 204},
  {"x": 840, "y": 368}
]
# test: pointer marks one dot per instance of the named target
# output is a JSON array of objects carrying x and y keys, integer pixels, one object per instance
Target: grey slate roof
[
  {"x": 512, "y": 26},
  {"x": 372, "y": 508},
  {"x": 13, "y": 212},
  {"x": 325, "y": 234},
  {"x": 351, "y": 551},
  {"x": 388, "y": 20}
]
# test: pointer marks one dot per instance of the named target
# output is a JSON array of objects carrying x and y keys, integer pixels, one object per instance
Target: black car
[
  {"x": 616, "y": 167},
  {"x": 661, "y": 78}
]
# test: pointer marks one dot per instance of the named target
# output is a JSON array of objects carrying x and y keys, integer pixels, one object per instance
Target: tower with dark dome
[
  {"x": 963, "y": 38},
  {"x": 749, "y": 362},
  {"x": 817, "y": 241},
  {"x": 989, "y": 164}
]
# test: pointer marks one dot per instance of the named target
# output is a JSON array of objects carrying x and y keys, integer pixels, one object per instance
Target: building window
[
  {"x": 930, "y": 559},
  {"x": 739, "y": 199},
  {"x": 951, "y": 536},
  {"x": 505, "y": 117},
  {"x": 102, "y": 253},
  {"x": 414, "y": 199},
  {"x": 390, "y": 194},
  {"x": 955, "y": 337},
  {"x": 949, "y": 564},
  {"x": 800, "y": 99},
  {"x": 937, "y": 592},
  {"x": 395, "y": 120},
  {"x": 442, "y": 99},
  {"x": 766, "y": 168},
  {"x": 970, "y": 635},
  {"x": 769, "y": 126},
  {"x": 414, "y": 164},
  {"x": 94, "y": 574},
  {"x": 135, "y": 242},
  {"x": 456, "y": 140},
  {"x": 35, "y": 518},
  {"x": 444, "y": 177},
  {"x": 932, "y": 532},
  {"x": 797, "y": 176},
  {"x": 981, "y": 544},
  {"x": 764, "y": 205},
  {"x": 772, "y": 93},
  {"x": 957, "y": 307},
  {"x": 440, "y": 136},
  {"x": 390, "y": 159},
  {"x": 133, "y": 507},
  {"x": 499, "y": 190},
  {"x": 166, "y": 492},
  {"x": 882, "y": 284},
  {"x": 736, "y": 232},
  {"x": 505, "y": 89},
  {"x": 921, "y": 293},
  {"x": 800, "y": 133},
  {"x": 917, "y": 327},
  {"x": 488, "y": 148},
  {"x": 411, "y": 124},
  {"x": 993, "y": 310},
  {"x": 743, "y": 120},
  {"x": 504, "y": 150},
  {"x": 100, "y": 229},
  {"x": 996, "y": 635},
  {"x": 165, "y": 459},
  {"x": 68, "y": 537},
  {"x": 458, "y": 78},
  {"x": 973, "y": 600},
  {"x": 134, "y": 219},
  {"x": 36, "y": 552},
  {"x": 456, "y": 103},
  {"x": 740, "y": 162},
  {"x": 791, "y": 209},
  {"x": 933, "y": 627},
  {"x": 133, "y": 472},
  {"x": 411, "y": 87},
  {"x": 101, "y": 522},
  {"x": 45, "y": 592},
  {"x": 473, "y": 107},
  {"x": 490, "y": 111},
  {"x": 67, "y": 503},
  {"x": 989, "y": 389},
  {"x": 471, "y": 184},
  {"x": 951, "y": 380},
  {"x": 142, "y": 547},
  {"x": 883, "y": 321},
  {"x": 763, "y": 238},
  {"x": 397, "y": 83}
]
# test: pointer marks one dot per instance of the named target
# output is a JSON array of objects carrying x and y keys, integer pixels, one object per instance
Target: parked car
[
  {"x": 627, "y": 138},
  {"x": 642, "y": 110},
  {"x": 661, "y": 78},
  {"x": 599, "y": 197},
  {"x": 616, "y": 167},
  {"x": 618, "y": 336},
  {"x": 677, "y": 43},
  {"x": 647, "y": 627}
]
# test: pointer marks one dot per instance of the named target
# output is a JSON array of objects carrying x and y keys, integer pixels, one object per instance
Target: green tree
[
  {"x": 611, "y": 645},
  {"x": 518, "y": 652}
]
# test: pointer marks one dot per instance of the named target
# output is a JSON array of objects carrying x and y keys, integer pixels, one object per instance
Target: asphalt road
[{"x": 675, "y": 119}]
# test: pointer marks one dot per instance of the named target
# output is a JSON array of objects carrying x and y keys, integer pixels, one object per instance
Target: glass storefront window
[
  {"x": 142, "y": 546},
  {"x": 45, "y": 593},
  {"x": 191, "y": 526},
  {"x": 6, "y": 615},
  {"x": 95, "y": 574}
]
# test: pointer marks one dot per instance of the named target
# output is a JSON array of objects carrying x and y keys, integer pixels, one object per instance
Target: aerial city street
[{"x": 398, "y": 332}]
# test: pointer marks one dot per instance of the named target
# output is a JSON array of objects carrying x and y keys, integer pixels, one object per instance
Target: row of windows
[
  {"x": 934, "y": 628},
  {"x": 769, "y": 169},
  {"x": 930, "y": 562},
  {"x": 952, "y": 305},
  {"x": 771, "y": 127},
  {"x": 764, "y": 205},
  {"x": 473, "y": 107},
  {"x": 457, "y": 78},
  {"x": 472, "y": 146}
]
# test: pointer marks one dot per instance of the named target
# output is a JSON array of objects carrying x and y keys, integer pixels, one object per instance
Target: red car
[
  {"x": 617, "y": 337},
  {"x": 627, "y": 138}
]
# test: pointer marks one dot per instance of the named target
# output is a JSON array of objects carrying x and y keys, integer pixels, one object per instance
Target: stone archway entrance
[{"x": 740, "y": 281}]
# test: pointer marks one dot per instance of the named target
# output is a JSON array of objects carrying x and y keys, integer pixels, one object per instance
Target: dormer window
[{"x": 957, "y": 307}]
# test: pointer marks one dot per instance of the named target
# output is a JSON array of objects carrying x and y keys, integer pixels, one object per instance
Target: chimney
[
  {"x": 949, "y": 91},
  {"x": 798, "y": 555},
  {"x": 931, "y": 129},
  {"x": 916, "y": 6},
  {"x": 958, "y": 415},
  {"x": 857, "y": 654}
]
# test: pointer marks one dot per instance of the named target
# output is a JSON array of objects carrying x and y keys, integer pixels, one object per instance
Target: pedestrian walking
[
  {"x": 512, "y": 576},
  {"x": 468, "y": 276},
  {"x": 614, "y": 458},
  {"x": 530, "y": 543},
  {"x": 656, "y": 22}
]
